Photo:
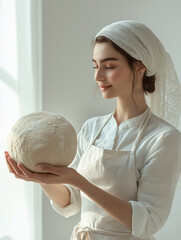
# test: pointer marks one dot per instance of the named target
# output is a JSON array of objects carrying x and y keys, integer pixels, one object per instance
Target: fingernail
[{"x": 40, "y": 167}]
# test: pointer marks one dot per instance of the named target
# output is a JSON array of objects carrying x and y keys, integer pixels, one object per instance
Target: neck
[{"x": 126, "y": 108}]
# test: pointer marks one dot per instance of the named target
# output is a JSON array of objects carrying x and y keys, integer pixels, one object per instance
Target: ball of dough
[{"x": 42, "y": 137}]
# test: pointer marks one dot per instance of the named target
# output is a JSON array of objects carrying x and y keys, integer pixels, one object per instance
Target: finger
[
  {"x": 6, "y": 154},
  {"x": 34, "y": 176},
  {"x": 24, "y": 170},
  {"x": 26, "y": 174},
  {"x": 10, "y": 167},
  {"x": 11, "y": 170},
  {"x": 15, "y": 167},
  {"x": 22, "y": 177}
]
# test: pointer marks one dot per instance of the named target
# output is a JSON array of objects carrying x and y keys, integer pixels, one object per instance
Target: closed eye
[{"x": 106, "y": 67}]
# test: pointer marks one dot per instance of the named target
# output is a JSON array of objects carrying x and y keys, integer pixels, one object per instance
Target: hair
[{"x": 148, "y": 83}]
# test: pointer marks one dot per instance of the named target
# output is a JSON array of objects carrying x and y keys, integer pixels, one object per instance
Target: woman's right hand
[
  {"x": 48, "y": 174},
  {"x": 14, "y": 168}
]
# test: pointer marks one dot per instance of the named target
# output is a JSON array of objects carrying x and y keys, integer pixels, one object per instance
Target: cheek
[{"x": 117, "y": 75}]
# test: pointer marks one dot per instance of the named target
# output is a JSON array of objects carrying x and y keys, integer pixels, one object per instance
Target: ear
[{"x": 140, "y": 67}]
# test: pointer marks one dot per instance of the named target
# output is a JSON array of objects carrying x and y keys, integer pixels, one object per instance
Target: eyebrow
[{"x": 107, "y": 59}]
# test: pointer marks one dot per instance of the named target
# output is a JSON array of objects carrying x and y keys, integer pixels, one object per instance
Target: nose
[{"x": 99, "y": 75}]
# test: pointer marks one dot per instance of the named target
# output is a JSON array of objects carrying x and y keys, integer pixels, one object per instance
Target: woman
[{"x": 127, "y": 165}]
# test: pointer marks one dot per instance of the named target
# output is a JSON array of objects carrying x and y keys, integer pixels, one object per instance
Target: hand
[{"x": 50, "y": 174}]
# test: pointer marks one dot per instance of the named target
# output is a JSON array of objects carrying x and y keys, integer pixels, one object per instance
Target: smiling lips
[{"x": 104, "y": 87}]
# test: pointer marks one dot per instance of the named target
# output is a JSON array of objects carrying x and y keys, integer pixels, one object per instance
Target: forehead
[{"x": 104, "y": 50}]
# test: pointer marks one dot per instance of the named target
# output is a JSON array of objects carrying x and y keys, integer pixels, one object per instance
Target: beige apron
[{"x": 115, "y": 172}]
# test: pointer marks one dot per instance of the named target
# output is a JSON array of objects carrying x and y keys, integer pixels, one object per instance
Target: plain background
[{"x": 68, "y": 76}]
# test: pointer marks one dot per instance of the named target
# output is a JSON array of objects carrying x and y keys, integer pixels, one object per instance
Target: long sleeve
[
  {"x": 157, "y": 185},
  {"x": 75, "y": 199}
]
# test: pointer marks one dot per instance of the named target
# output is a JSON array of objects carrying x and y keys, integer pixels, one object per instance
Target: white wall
[{"x": 68, "y": 85}]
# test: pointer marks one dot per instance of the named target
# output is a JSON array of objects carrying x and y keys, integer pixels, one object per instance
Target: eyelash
[{"x": 106, "y": 67}]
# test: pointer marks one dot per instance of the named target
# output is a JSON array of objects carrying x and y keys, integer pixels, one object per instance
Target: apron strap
[
  {"x": 141, "y": 130},
  {"x": 110, "y": 115}
]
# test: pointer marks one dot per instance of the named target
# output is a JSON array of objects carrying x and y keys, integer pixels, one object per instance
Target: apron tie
[
  {"x": 81, "y": 233},
  {"x": 84, "y": 233}
]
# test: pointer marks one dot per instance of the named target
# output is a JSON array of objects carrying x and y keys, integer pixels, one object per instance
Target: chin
[{"x": 108, "y": 97}]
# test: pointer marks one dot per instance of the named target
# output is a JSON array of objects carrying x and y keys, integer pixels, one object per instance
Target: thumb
[{"x": 45, "y": 167}]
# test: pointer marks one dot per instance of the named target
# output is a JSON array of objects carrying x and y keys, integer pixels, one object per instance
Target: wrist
[{"x": 79, "y": 181}]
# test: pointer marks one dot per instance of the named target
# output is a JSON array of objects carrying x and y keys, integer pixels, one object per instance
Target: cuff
[
  {"x": 73, "y": 207},
  {"x": 139, "y": 219}
]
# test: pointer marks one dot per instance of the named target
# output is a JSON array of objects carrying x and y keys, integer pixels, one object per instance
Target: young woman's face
[{"x": 114, "y": 73}]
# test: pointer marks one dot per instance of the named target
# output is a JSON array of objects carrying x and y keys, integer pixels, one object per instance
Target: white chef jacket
[{"x": 158, "y": 160}]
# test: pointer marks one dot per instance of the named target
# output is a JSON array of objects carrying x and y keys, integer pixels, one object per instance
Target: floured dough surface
[{"x": 42, "y": 137}]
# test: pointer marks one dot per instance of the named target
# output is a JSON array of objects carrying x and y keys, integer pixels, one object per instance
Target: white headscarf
[{"x": 141, "y": 43}]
